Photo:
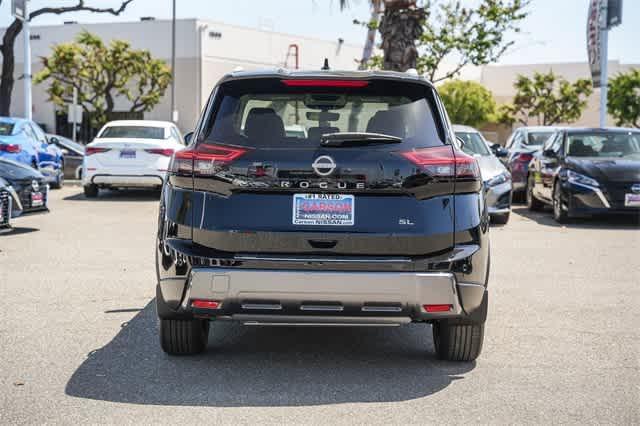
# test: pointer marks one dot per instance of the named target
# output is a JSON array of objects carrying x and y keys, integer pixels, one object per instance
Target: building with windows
[{"x": 205, "y": 51}]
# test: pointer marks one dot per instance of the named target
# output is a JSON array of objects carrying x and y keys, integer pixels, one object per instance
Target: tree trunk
[
  {"x": 400, "y": 27},
  {"x": 8, "y": 66}
]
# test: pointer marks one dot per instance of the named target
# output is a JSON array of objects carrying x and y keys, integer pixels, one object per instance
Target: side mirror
[
  {"x": 187, "y": 138},
  {"x": 498, "y": 150},
  {"x": 550, "y": 153},
  {"x": 460, "y": 141},
  {"x": 53, "y": 139}
]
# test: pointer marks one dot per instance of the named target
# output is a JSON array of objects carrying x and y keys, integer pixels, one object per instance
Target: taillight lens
[
  {"x": 325, "y": 83},
  {"x": 442, "y": 162},
  {"x": 10, "y": 147},
  {"x": 204, "y": 159},
  {"x": 524, "y": 157},
  {"x": 167, "y": 152},
  {"x": 90, "y": 150}
]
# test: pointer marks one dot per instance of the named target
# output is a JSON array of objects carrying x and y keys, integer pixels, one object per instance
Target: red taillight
[
  {"x": 10, "y": 147},
  {"x": 167, "y": 152},
  {"x": 204, "y": 159},
  {"x": 90, "y": 150},
  {"x": 205, "y": 304},
  {"x": 437, "y": 308},
  {"x": 442, "y": 162},
  {"x": 325, "y": 83}
]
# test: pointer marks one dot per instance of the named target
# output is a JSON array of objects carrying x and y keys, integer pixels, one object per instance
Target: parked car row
[{"x": 23, "y": 190}]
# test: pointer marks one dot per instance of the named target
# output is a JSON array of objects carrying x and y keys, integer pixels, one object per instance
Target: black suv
[{"x": 323, "y": 198}]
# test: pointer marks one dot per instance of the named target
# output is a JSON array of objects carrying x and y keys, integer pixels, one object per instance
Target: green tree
[
  {"x": 546, "y": 98},
  {"x": 11, "y": 34},
  {"x": 102, "y": 73},
  {"x": 442, "y": 31},
  {"x": 467, "y": 102},
  {"x": 623, "y": 101}
]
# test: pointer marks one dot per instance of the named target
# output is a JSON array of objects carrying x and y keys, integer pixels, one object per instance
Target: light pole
[
  {"x": 27, "y": 62},
  {"x": 174, "y": 115}
]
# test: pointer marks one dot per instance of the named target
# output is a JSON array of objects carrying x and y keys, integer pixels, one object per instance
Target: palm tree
[{"x": 400, "y": 27}]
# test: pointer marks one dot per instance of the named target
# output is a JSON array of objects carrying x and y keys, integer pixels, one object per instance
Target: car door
[
  {"x": 549, "y": 164},
  {"x": 47, "y": 156}
]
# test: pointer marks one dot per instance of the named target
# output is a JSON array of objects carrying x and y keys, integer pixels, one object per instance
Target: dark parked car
[
  {"x": 28, "y": 184},
  {"x": 8, "y": 198},
  {"x": 372, "y": 217},
  {"x": 72, "y": 155},
  {"x": 522, "y": 144},
  {"x": 583, "y": 172}
]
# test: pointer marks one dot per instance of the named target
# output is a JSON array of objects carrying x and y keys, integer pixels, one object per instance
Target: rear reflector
[
  {"x": 167, "y": 152},
  {"x": 325, "y": 83},
  {"x": 11, "y": 147},
  {"x": 204, "y": 158},
  {"x": 95, "y": 150},
  {"x": 437, "y": 308},
  {"x": 441, "y": 161},
  {"x": 205, "y": 304}
]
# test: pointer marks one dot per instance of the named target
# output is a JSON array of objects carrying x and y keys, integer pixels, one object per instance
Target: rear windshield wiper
[{"x": 357, "y": 139}]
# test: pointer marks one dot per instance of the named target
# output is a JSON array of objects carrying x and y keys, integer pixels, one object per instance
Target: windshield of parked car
[
  {"x": 262, "y": 113},
  {"x": 134, "y": 132},
  {"x": 474, "y": 144},
  {"x": 6, "y": 129},
  {"x": 610, "y": 145},
  {"x": 537, "y": 138}
]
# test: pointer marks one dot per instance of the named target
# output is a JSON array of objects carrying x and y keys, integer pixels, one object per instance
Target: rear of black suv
[{"x": 324, "y": 198}]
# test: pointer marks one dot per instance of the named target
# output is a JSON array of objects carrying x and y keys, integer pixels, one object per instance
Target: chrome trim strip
[
  {"x": 323, "y": 259},
  {"x": 316, "y": 324},
  {"x": 598, "y": 192},
  {"x": 381, "y": 309},
  {"x": 330, "y": 308},
  {"x": 262, "y": 306}
]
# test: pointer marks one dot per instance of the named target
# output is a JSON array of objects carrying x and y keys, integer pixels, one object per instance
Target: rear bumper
[
  {"x": 142, "y": 181},
  {"x": 303, "y": 296}
]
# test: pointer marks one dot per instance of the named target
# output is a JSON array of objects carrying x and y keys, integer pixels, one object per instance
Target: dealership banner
[{"x": 593, "y": 40}]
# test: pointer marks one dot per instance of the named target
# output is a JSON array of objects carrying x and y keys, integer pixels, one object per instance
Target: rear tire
[
  {"x": 533, "y": 203},
  {"x": 456, "y": 341},
  {"x": 91, "y": 191},
  {"x": 184, "y": 336},
  {"x": 59, "y": 183},
  {"x": 500, "y": 219}
]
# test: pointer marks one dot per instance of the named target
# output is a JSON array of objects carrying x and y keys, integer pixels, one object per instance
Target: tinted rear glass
[
  {"x": 266, "y": 113},
  {"x": 138, "y": 132}
]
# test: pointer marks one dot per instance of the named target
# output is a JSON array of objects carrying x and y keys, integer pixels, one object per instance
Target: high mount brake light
[
  {"x": 442, "y": 162},
  {"x": 167, "y": 152},
  {"x": 95, "y": 150},
  {"x": 13, "y": 148},
  {"x": 325, "y": 83},
  {"x": 204, "y": 159}
]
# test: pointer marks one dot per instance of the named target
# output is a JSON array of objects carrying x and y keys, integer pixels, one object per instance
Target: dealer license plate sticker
[
  {"x": 323, "y": 209},
  {"x": 37, "y": 199},
  {"x": 128, "y": 153},
  {"x": 632, "y": 200}
]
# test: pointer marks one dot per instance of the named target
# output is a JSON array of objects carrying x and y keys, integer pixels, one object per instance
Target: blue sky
[{"x": 553, "y": 32}]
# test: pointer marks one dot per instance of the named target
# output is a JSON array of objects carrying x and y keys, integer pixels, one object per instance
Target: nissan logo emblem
[
  {"x": 324, "y": 165},
  {"x": 35, "y": 185},
  {"x": 635, "y": 188}
]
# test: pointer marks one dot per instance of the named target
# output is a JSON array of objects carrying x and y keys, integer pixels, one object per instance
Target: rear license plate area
[
  {"x": 128, "y": 153},
  {"x": 323, "y": 209}
]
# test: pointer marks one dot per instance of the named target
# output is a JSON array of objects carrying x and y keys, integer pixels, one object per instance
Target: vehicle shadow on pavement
[
  {"x": 597, "y": 222},
  {"x": 247, "y": 366},
  {"x": 119, "y": 195},
  {"x": 17, "y": 230}
]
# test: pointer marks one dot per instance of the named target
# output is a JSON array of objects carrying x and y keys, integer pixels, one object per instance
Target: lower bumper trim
[{"x": 320, "y": 321}]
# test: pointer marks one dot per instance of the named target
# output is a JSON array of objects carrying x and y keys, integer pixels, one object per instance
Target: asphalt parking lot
[{"x": 79, "y": 342}]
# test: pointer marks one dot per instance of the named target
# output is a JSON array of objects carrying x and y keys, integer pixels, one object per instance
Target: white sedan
[{"x": 130, "y": 154}]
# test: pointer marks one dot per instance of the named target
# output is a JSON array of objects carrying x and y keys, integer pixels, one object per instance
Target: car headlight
[
  {"x": 574, "y": 177},
  {"x": 498, "y": 179}
]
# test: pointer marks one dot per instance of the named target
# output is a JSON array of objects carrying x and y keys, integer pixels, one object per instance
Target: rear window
[
  {"x": 537, "y": 138},
  {"x": 267, "y": 113},
  {"x": 6, "y": 129},
  {"x": 138, "y": 132}
]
